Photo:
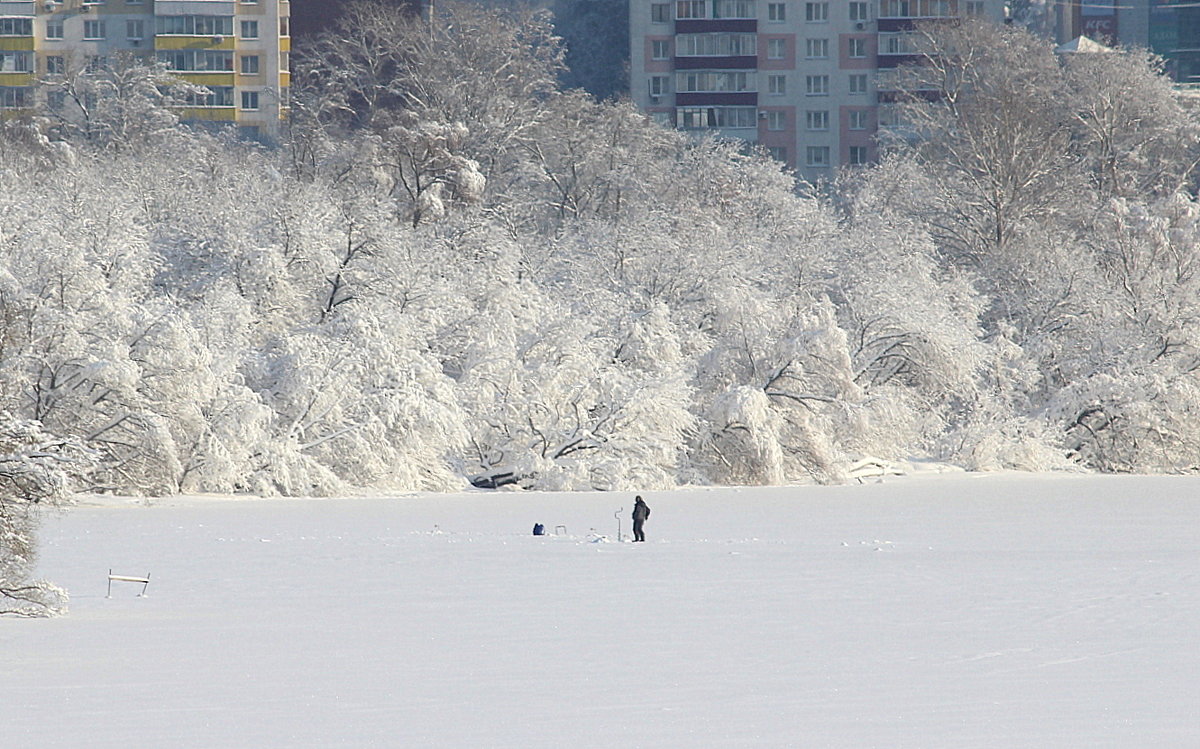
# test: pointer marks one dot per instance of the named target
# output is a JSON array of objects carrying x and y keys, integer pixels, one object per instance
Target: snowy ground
[{"x": 948, "y": 611}]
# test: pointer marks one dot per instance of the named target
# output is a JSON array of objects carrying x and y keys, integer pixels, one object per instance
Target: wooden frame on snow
[{"x": 145, "y": 581}]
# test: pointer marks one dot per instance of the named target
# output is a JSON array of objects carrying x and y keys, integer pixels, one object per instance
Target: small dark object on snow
[
  {"x": 494, "y": 481},
  {"x": 641, "y": 511},
  {"x": 539, "y": 529}
]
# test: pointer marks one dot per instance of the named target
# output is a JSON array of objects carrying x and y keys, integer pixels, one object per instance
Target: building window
[
  {"x": 858, "y": 83},
  {"x": 817, "y": 156},
  {"x": 858, "y": 12},
  {"x": 776, "y": 12},
  {"x": 776, "y": 119},
  {"x": 285, "y": 26},
  {"x": 975, "y": 8},
  {"x": 700, "y": 81},
  {"x": 660, "y": 12},
  {"x": 698, "y": 118},
  {"x": 733, "y": 9},
  {"x": 16, "y": 27},
  {"x": 816, "y": 12},
  {"x": 249, "y": 29},
  {"x": 816, "y": 48},
  {"x": 93, "y": 29},
  {"x": 660, "y": 85},
  {"x": 776, "y": 49},
  {"x": 776, "y": 85},
  {"x": 95, "y": 63},
  {"x": 916, "y": 8},
  {"x": 896, "y": 44},
  {"x": 691, "y": 9},
  {"x": 16, "y": 62},
  {"x": 56, "y": 100},
  {"x": 817, "y": 120},
  {"x": 779, "y": 153},
  {"x": 886, "y": 80},
  {"x": 198, "y": 25},
  {"x": 660, "y": 49},
  {"x": 56, "y": 64},
  {"x": 15, "y": 97},
  {"x": 135, "y": 29},
  {"x": 888, "y": 116},
  {"x": 249, "y": 64},
  {"x": 857, "y": 119},
  {"x": 816, "y": 85},
  {"x": 197, "y": 60},
  {"x": 857, "y": 47},
  {"x": 858, "y": 155},
  {"x": 54, "y": 29},
  {"x": 250, "y": 100},
  {"x": 715, "y": 45},
  {"x": 216, "y": 96}
]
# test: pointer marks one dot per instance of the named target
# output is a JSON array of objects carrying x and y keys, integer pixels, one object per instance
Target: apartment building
[
  {"x": 804, "y": 80},
  {"x": 237, "y": 49}
]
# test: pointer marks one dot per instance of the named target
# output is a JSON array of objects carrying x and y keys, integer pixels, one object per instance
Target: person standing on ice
[{"x": 641, "y": 511}]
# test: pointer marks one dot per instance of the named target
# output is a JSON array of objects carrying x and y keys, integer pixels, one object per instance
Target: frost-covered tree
[
  {"x": 1052, "y": 182},
  {"x": 490, "y": 70},
  {"x": 789, "y": 386},
  {"x": 355, "y": 70},
  {"x": 36, "y": 471},
  {"x": 1133, "y": 132},
  {"x": 981, "y": 111},
  {"x": 590, "y": 160},
  {"x": 419, "y": 162},
  {"x": 1126, "y": 403},
  {"x": 122, "y": 102}
]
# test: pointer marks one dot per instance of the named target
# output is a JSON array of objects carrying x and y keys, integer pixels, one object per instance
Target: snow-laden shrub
[
  {"x": 743, "y": 441},
  {"x": 36, "y": 473},
  {"x": 1139, "y": 422},
  {"x": 998, "y": 441}
]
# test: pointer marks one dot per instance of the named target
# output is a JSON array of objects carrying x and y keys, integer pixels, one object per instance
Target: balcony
[
  {"x": 712, "y": 25},
  {"x": 717, "y": 99},
  {"x": 9, "y": 8},
  {"x": 908, "y": 23},
  {"x": 888, "y": 61},
  {"x": 740, "y": 62},
  {"x": 195, "y": 7}
]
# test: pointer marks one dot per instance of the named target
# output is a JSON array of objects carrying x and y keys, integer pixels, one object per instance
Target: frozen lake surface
[{"x": 937, "y": 611}]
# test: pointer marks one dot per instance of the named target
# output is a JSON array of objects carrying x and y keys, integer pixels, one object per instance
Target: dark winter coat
[{"x": 641, "y": 511}]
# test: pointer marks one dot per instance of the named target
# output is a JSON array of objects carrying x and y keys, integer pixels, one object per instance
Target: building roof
[{"x": 1081, "y": 45}]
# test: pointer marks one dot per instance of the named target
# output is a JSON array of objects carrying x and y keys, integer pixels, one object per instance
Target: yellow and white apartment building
[{"x": 237, "y": 49}]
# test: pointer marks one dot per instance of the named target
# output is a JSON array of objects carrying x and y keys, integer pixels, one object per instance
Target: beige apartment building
[
  {"x": 807, "y": 81},
  {"x": 237, "y": 49}
]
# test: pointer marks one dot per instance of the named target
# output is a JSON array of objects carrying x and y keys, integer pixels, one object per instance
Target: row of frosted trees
[{"x": 452, "y": 270}]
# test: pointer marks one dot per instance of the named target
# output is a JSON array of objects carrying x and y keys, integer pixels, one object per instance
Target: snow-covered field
[{"x": 941, "y": 611}]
